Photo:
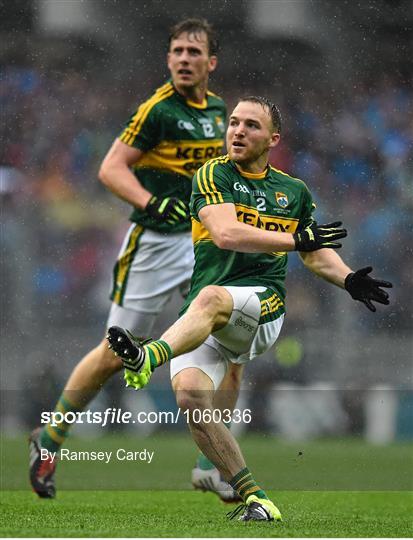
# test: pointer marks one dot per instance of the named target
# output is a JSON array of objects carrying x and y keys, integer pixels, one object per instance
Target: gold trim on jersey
[
  {"x": 285, "y": 174},
  {"x": 196, "y": 105},
  {"x": 130, "y": 133},
  {"x": 252, "y": 176},
  {"x": 270, "y": 305},
  {"x": 181, "y": 157},
  {"x": 205, "y": 180},
  {"x": 199, "y": 232}
]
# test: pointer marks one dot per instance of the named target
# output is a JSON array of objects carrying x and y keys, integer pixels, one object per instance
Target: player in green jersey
[
  {"x": 150, "y": 165},
  {"x": 246, "y": 217}
]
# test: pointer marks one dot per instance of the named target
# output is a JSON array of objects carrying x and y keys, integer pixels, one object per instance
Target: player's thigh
[
  {"x": 206, "y": 360},
  {"x": 248, "y": 332},
  {"x": 233, "y": 377},
  {"x": 238, "y": 334},
  {"x": 139, "y": 323}
]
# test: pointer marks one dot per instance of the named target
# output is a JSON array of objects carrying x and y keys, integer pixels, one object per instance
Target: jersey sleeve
[
  {"x": 144, "y": 128},
  {"x": 308, "y": 207},
  {"x": 210, "y": 185}
]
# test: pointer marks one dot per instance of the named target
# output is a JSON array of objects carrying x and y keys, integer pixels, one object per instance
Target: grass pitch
[
  {"x": 331, "y": 488},
  {"x": 192, "y": 514}
]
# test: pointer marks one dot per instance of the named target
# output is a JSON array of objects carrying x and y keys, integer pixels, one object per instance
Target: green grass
[
  {"x": 328, "y": 465},
  {"x": 191, "y": 514},
  {"x": 329, "y": 488}
]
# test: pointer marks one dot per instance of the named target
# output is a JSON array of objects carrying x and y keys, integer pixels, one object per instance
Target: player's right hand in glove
[
  {"x": 365, "y": 289},
  {"x": 171, "y": 210},
  {"x": 316, "y": 237}
]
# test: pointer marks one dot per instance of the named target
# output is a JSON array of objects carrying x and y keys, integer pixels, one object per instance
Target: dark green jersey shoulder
[
  {"x": 273, "y": 201},
  {"x": 177, "y": 137}
]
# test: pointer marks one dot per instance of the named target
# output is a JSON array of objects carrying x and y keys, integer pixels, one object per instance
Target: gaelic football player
[
  {"x": 150, "y": 165},
  {"x": 246, "y": 216}
]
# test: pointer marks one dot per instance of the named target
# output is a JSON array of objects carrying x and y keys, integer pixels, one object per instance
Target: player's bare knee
[
  {"x": 189, "y": 400},
  {"x": 211, "y": 298},
  {"x": 193, "y": 389}
]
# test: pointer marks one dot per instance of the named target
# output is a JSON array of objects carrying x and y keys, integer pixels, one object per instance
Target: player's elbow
[
  {"x": 104, "y": 174},
  {"x": 224, "y": 239}
]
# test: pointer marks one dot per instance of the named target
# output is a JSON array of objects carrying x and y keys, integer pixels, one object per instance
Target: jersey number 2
[{"x": 261, "y": 204}]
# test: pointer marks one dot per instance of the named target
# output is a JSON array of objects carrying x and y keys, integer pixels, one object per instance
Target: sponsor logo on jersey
[
  {"x": 251, "y": 216},
  {"x": 240, "y": 187},
  {"x": 181, "y": 157},
  {"x": 282, "y": 199},
  {"x": 198, "y": 152},
  {"x": 185, "y": 125}
]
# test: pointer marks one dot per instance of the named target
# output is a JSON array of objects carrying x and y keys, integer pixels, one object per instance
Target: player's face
[
  {"x": 189, "y": 61},
  {"x": 250, "y": 134}
]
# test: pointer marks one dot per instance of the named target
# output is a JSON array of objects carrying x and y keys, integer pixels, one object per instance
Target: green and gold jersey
[
  {"x": 272, "y": 200},
  {"x": 177, "y": 137}
]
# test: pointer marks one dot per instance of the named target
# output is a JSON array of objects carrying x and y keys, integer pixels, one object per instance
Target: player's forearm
[
  {"x": 124, "y": 184},
  {"x": 327, "y": 264},
  {"x": 240, "y": 237}
]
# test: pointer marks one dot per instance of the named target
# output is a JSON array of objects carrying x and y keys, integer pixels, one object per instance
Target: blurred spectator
[{"x": 353, "y": 148}]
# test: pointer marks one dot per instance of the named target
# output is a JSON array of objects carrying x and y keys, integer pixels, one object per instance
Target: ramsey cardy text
[{"x": 121, "y": 454}]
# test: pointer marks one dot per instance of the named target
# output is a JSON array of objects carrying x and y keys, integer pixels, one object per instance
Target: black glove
[
  {"x": 316, "y": 236},
  {"x": 170, "y": 209},
  {"x": 364, "y": 288}
]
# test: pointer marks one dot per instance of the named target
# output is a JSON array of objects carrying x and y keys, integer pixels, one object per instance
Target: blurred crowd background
[{"x": 341, "y": 73}]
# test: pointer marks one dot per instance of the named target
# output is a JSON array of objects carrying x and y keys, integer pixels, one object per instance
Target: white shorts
[
  {"x": 246, "y": 335},
  {"x": 149, "y": 268}
]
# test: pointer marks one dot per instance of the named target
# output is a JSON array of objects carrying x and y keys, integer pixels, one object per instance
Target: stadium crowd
[{"x": 352, "y": 150}]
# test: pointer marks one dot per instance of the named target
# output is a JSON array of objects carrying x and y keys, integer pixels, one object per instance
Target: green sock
[
  {"x": 245, "y": 485},
  {"x": 159, "y": 353},
  {"x": 203, "y": 462},
  {"x": 53, "y": 436}
]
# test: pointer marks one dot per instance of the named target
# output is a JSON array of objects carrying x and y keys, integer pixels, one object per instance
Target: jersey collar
[
  {"x": 189, "y": 102},
  {"x": 253, "y": 176},
  {"x": 195, "y": 105}
]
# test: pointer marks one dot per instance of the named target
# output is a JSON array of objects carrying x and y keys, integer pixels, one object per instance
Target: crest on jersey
[
  {"x": 220, "y": 123},
  {"x": 282, "y": 199}
]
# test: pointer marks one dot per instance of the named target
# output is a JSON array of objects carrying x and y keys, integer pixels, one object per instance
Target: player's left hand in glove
[
  {"x": 366, "y": 289},
  {"x": 171, "y": 210}
]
